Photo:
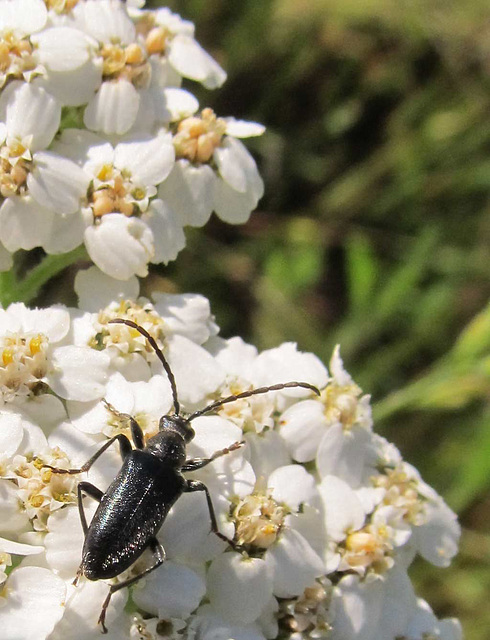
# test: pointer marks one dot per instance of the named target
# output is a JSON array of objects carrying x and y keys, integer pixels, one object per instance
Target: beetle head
[{"x": 178, "y": 424}]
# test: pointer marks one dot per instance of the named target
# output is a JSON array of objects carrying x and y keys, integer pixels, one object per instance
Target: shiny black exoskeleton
[{"x": 134, "y": 507}]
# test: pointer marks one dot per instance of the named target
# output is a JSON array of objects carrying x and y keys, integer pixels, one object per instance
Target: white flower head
[
  {"x": 38, "y": 188},
  {"x": 125, "y": 227},
  {"x": 34, "y": 359},
  {"x": 214, "y": 171},
  {"x": 305, "y": 550},
  {"x": 169, "y": 40}
]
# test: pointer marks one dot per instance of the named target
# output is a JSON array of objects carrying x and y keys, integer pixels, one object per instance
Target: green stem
[{"x": 26, "y": 289}]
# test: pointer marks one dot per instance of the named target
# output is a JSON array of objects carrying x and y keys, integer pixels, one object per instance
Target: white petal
[
  {"x": 238, "y": 168},
  {"x": 294, "y": 563},
  {"x": 12, "y": 519},
  {"x": 343, "y": 509},
  {"x": 437, "y": 540},
  {"x": 106, "y": 21},
  {"x": 83, "y": 606},
  {"x": 168, "y": 235},
  {"x": 64, "y": 540},
  {"x": 17, "y": 548},
  {"x": 196, "y": 371},
  {"x": 113, "y": 109},
  {"x": 85, "y": 148},
  {"x": 89, "y": 418},
  {"x": 243, "y": 128},
  {"x": 148, "y": 161},
  {"x": 238, "y": 587},
  {"x": 292, "y": 485},
  {"x": 286, "y": 364},
  {"x": 11, "y": 434},
  {"x": 66, "y": 233},
  {"x": 34, "y": 604},
  {"x": 208, "y": 625},
  {"x": 303, "y": 427},
  {"x": 57, "y": 183},
  {"x": 120, "y": 246},
  {"x": 73, "y": 88},
  {"x": 173, "y": 104},
  {"x": 95, "y": 289},
  {"x": 213, "y": 433},
  {"x": 173, "y": 591},
  {"x": 34, "y": 439},
  {"x": 230, "y": 205},
  {"x": 346, "y": 454},
  {"x": 266, "y": 452},
  {"x": 187, "y": 314},
  {"x": 356, "y": 607},
  {"x": 53, "y": 322},
  {"x": 24, "y": 224},
  {"x": 30, "y": 111},
  {"x": 191, "y": 61},
  {"x": 47, "y": 411},
  {"x": 23, "y": 16},
  {"x": 189, "y": 191},
  {"x": 62, "y": 48},
  {"x": 186, "y": 534},
  {"x": 234, "y": 355},
  {"x": 81, "y": 373}
]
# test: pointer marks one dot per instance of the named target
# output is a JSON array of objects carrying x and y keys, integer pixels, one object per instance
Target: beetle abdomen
[{"x": 131, "y": 512}]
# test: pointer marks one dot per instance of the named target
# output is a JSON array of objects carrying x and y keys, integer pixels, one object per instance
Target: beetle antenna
[
  {"x": 252, "y": 392},
  {"x": 158, "y": 351}
]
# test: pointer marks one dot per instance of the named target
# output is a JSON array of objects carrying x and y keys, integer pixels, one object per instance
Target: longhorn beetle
[{"x": 134, "y": 507}]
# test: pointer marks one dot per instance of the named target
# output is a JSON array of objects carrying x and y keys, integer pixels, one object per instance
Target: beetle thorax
[{"x": 168, "y": 446}]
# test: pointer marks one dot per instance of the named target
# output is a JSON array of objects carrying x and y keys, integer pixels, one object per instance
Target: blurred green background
[{"x": 374, "y": 230}]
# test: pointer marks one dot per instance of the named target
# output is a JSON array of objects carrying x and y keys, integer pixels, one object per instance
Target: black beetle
[{"x": 134, "y": 507}]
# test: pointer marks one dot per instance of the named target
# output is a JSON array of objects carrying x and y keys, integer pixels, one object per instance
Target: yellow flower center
[
  {"x": 15, "y": 163},
  {"x": 127, "y": 339},
  {"x": 23, "y": 363},
  {"x": 126, "y": 62},
  {"x": 258, "y": 520},
  {"x": 16, "y": 57},
  {"x": 198, "y": 136}
]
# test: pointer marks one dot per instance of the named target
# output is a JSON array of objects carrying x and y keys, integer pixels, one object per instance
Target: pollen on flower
[
  {"x": 5, "y": 561},
  {"x": 344, "y": 404},
  {"x": 401, "y": 492},
  {"x": 126, "y": 339},
  {"x": 198, "y": 136},
  {"x": 40, "y": 492},
  {"x": 15, "y": 164},
  {"x": 23, "y": 363},
  {"x": 368, "y": 549},
  {"x": 16, "y": 58},
  {"x": 113, "y": 192},
  {"x": 308, "y": 614},
  {"x": 125, "y": 62},
  {"x": 119, "y": 423},
  {"x": 258, "y": 519},
  {"x": 61, "y": 6},
  {"x": 250, "y": 414}
]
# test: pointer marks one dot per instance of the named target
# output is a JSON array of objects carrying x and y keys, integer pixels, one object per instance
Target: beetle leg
[
  {"x": 136, "y": 430},
  {"x": 92, "y": 491},
  {"x": 124, "y": 447},
  {"x": 159, "y": 555},
  {"x": 198, "y": 463},
  {"x": 195, "y": 485}
]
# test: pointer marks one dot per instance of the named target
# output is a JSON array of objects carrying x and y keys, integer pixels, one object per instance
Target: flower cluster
[
  {"x": 100, "y": 144},
  {"x": 325, "y": 515}
]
